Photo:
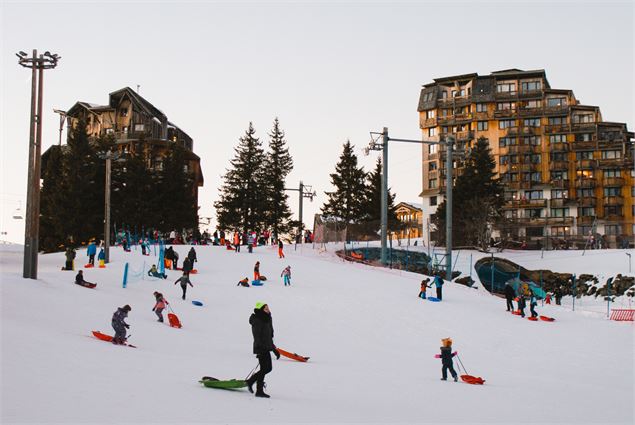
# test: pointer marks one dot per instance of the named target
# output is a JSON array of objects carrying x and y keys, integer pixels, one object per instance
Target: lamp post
[
  {"x": 383, "y": 146},
  {"x": 62, "y": 121},
  {"x": 108, "y": 156},
  {"x": 304, "y": 192},
  {"x": 32, "y": 222}
]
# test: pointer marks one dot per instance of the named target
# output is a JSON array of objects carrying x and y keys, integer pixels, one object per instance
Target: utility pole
[
  {"x": 62, "y": 121},
  {"x": 107, "y": 209},
  {"x": 32, "y": 222},
  {"x": 304, "y": 192},
  {"x": 383, "y": 146}
]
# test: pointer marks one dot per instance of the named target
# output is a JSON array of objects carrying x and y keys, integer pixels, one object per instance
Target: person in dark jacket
[
  {"x": 509, "y": 296},
  {"x": 557, "y": 295},
  {"x": 70, "y": 256},
  {"x": 120, "y": 325},
  {"x": 79, "y": 279},
  {"x": 257, "y": 271},
  {"x": 446, "y": 360},
  {"x": 184, "y": 280},
  {"x": 438, "y": 282},
  {"x": 521, "y": 304},
  {"x": 533, "y": 302},
  {"x": 262, "y": 331},
  {"x": 280, "y": 249},
  {"x": 187, "y": 266},
  {"x": 192, "y": 256}
]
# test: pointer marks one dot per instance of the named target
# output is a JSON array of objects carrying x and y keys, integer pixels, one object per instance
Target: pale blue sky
[{"x": 329, "y": 71}]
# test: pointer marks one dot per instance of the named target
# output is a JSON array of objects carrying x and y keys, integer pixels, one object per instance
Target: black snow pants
[
  {"x": 91, "y": 259},
  {"x": 510, "y": 304},
  {"x": 264, "y": 360},
  {"x": 159, "y": 312},
  {"x": 444, "y": 371},
  {"x": 440, "y": 292},
  {"x": 120, "y": 333},
  {"x": 184, "y": 288}
]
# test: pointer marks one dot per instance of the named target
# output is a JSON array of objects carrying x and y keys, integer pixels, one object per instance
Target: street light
[
  {"x": 375, "y": 145},
  {"x": 304, "y": 192},
  {"x": 108, "y": 156},
  {"x": 63, "y": 116},
  {"x": 37, "y": 64}
]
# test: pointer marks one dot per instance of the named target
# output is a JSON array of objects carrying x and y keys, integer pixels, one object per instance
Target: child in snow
[
  {"x": 446, "y": 359},
  {"x": 79, "y": 279},
  {"x": 120, "y": 325},
  {"x": 548, "y": 298},
  {"x": 184, "y": 280},
  {"x": 192, "y": 255},
  {"x": 70, "y": 256},
  {"x": 257, "y": 271},
  {"x": 244, "y": 282},
  {"x": 286, "y": 276},
  {"x": 153, "y": 272},
  {"x": 102, "y": 258},
  {"x": 160, "y": 305},
  {"x": 91, "y": 251},
  {"x": 521, "y": 304},
  {"x": 280, "y": 251},
  {"x": 424, "y": 286},
  {"x": 509, "y": 296}
]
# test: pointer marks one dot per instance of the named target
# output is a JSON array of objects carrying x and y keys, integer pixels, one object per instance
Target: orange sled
[
  {"x": 293, "y": 356},
  {"x": 174, "y": 320},
  {"x": 474, "y": 380}
]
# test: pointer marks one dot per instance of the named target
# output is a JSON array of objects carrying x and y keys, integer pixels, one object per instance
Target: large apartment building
[
  {"x": 567, "y": 173},
  {"x": 137, "y": 126}
]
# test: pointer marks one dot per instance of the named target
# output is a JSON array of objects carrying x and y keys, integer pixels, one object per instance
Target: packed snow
[{"x": 371, "y": 341}]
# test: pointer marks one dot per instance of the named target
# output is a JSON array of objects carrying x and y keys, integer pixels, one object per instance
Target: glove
[
  {"x": 455, "y": 353},
  {"x": 437, "y": 356},
  {"x": 127, "y": 326},
  {"x": 153, "y": 309},
  {"x": 277, "y": 353}
]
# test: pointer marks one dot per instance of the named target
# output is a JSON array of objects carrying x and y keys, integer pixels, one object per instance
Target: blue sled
[
  {"x": 433, "y": 299},
  {"x": 198, "y": 303},
  {"x": 256, "y": 283}
]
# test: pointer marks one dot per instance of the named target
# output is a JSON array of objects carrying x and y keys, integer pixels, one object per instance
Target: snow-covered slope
[{"x": 371, "y": 340}]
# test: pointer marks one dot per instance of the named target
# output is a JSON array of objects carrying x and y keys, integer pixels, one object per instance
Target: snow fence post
[
  {"x": 470, "y": 266},
  {"x": 492, "y": 274},
  {"x": 573, "y": 290},
  {"x": 608, "y": 298},
  {"x": 125, "y": 275}
]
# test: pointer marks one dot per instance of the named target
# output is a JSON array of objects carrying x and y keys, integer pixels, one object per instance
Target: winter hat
[
  {"x": 127, "y": 307},
  {"x": 446, "y": 342},
  {"x": 260, "y": 305}
]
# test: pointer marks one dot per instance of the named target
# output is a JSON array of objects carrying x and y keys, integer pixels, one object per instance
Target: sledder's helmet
[{"x": 260, "y": 305}]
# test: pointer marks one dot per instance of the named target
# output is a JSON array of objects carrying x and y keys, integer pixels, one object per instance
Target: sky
[{"x": 330, "y": 71}]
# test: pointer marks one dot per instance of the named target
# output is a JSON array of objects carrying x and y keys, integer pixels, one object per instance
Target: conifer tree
[
  {"x": 52, "y": 206},
  {"x": 242, "y": 194},
  {"x": 175, "y": 199},
  {"x": 372, "y": 202},
  {"x": 477, "y": 200},
  {"x": 278, "y": 164},
  {"x": 347, "y": 201}
]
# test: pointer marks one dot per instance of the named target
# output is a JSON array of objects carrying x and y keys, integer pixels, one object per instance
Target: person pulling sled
[
  {"x": 262, "y": 331},
  {"x": 120, "y": 325},
  {"x": 446, "y": 360},
  {"x": 160, "y": 305}
]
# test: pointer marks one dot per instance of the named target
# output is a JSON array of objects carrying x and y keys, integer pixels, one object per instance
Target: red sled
[
  {"x": 474, "y": 380},
  {"x": 87, "y": 285},
  {"x": 533, "y": 319},
  {"x": 89, "y": 266},
  {"x": 547, "y": 319},
  {"x": 230, "y": 248},
  {"x": 108, "y": 338},
  {"x": 516, "y": 312},
  {"x": 174, "y": 321},
  {"x": 293, "y": 356}
]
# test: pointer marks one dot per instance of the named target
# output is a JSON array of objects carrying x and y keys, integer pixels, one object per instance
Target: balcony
[
  {"x": 586, "y": 219},
  {"x": 611, "y": 163},
  {"x": 529, "y": 148},
  {"x": 482, "y": 116},
  {"x": 428, "y": 122},
  {"x": 583, "y": 127},
  {"x": 613, "y": 182},
  {"x": 560, "y": 202},
  {"x": 586, "y": 164},
  {"x": 464, "y": 135},
  {"x": 506, "y": 95},
  {"x": 584, "y": 145},
  {"x": 504, "y": 113},
  {"x": 531, "y": 203},
  {"x": 530, "y": 112},
  {"x": 559, "y": 165},
  {"x": 586, "y": 201},
  {"x": 557, "y": 128},
  {"x": 526, "y": 168},
  {"x": 445, "y": 120},
  {"x": 616, "y": 219},
  {"x": 614, "y": 200},
  {"x": 556, "y": 110},
  {"x": 559, "y": 184},
  {"x": 585, "y": 183},
  {"x": 560, "y": 221},
  {"x": 559, "y": 147}
]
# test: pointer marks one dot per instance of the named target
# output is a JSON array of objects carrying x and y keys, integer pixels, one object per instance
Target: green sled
[{"x": 225, "y": 385}]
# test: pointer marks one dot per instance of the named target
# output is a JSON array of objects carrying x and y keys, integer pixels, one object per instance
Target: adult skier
[
  {"x": 120, "y": 325},
  {"x": 262, "y": 331},
  {"x": 509, "y": 296}
]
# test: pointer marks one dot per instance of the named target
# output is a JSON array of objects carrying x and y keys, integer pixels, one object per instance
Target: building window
[
  {"x": 583, "y": 155},
  {"x": 533, "y": 194},
  {"x": 612, "y": 210},
  {"x": 558, "y": 138},
  {"x": 513, "y": 159},
  {"x": 612, "y": 191},
  {"x": 532, "y": 104},
  {"x": 445, "y": 129},
  {"x": 612, "y": 229},
  {"x": 505, "y": 106},
  {"x": 433, "y": 148},
  {"x": 444, "y": 94},
  {"x": 432, "y": 184},
  {"x": 432, "y": 132},
  {"x": 559, "y": 231},
  {"x": 586, "y": 212},
  {"x": 110, "y": 131},
  {"x": 559, "y": 212},
  {"x": 584, "y": 137},
  {"x": 446, "y": 112},
  {"x": 611, "y": 154},
  {"x": 433, "y": 201},
  {"x": 559, "y": 175},
  {"x": 481, "y": 125},
  {"x": 432, "y": 165},
  {"x": 430, "y": 114},
  {"x": 428, "y": 97},
  {"x": 558, "y": 156},
  {"x": 557, "y": 120},
  {"x": 503, "y": 159},
  {"x": 507, "y": 141},
  {"x": 531, "y": 122},
  {"x": 554, "y": 102},
  {"x": 506, "y": 88},
  {"x": 559, "y": 194},
  {"x": 612, "y": 172},
  {"x": 458, "y": 93},
  {"x": 582, "y": 118},
  {"x": 481, "y": 107},
  {"x": 123, "y": 112},
  {"x": 530, "y": 85},
  {"x": 533, "y": 213},
  {"x": 534, "y": 158},
  {"x": 531, "y": 140},
  {"x": 586, "y": 192},
  {"x": 502, "y": 124}
]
